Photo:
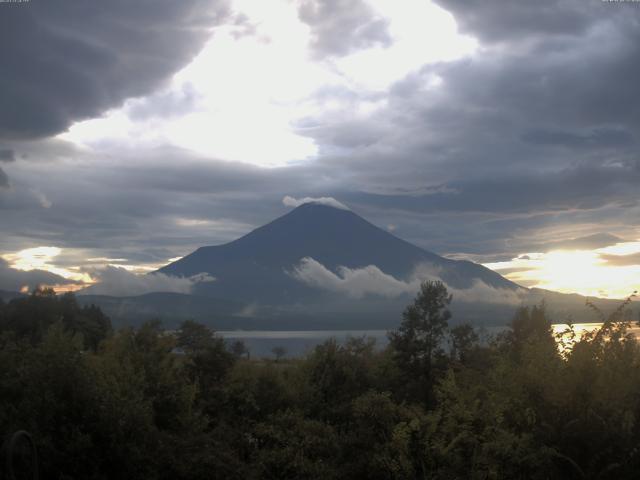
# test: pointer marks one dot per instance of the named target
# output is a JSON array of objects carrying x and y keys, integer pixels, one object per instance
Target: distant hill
[
  {"x": 7, "y": 295},
  {"x": 169, "y": 307}
]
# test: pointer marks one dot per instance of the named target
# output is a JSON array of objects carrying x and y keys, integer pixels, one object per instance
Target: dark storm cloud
[
  {"x": 7, "y": 155},
  {"x": 599, "y": 138},
  {"x": 524, "y": 192},
  {"x": 540, "y": 127},
  {"x": 339, "y": 27},
  {"x": 122, "y": 207},
  {"x": 494, "y": 20},
  {"x": 13, "y": 280},
  {"x": 65, "y": 60}
]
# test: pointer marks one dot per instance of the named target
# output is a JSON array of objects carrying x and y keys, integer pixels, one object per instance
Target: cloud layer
[
  {"x": 119, "y": 282},
  {"x": 340, "y": 27},
  {"x": 370, "y": 280},
  {"x": 329, "y": 201},
  {"x": 7, "y": 155}
]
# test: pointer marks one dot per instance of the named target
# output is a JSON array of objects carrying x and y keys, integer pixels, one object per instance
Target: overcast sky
[{"x": 132, "y": 133}]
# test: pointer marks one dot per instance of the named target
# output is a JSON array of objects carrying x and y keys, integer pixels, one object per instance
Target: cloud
[
  {"x": 496, "y": 21},
  {"x": 7, "y": 155},
  {"x": 164, "y": 104},
  {"x": 339, "y": 27},
  {"x": 370, "y": 280},
  {"x": 42, "y": 199},
  {"x": 4, "y": 179},
  {"x": 598, "y": 137},
  {"x": 14, "y": 280},
  {"x": 355, "y": 283},
  {"x": 119, "y": 282},
  {"x": 589, "y": 242},
  {"x": 621, "y": 260},
  {"x": 529, "y": 143},
  {"x": 95, "y": 55},
  {"x": 247, "y": 311},
  {"x": 329, "y": 201}
]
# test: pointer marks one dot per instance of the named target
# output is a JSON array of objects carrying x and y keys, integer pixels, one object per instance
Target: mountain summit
[{"x": 257, "y": 267}]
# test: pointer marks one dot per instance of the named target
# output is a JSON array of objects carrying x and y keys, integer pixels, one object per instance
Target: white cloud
[
  {"x": 355, "y": 283},
  {"x": 247, "y": 311},
  {"x": 120, "y": 282},
  {"x": 260, "y": 83},
  {"x": 330, "y": 201},
  {"x": 42, "y": 199},
  {"x": 370, "y": 280}
]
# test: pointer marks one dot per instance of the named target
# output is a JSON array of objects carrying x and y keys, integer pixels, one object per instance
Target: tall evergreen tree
[{"x": 417, "y": 344}]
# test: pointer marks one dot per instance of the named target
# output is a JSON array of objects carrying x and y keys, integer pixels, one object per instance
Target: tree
[
  {"x": 531, "y": 326},
  {"x": 418, "y": 342},
  {"x": 463, "y": 340},
  {"x": 207, "y": 359},
  {"x": 195, "y": 337},
  {"x": 240, "y": 349},
  {"x": 30, "y": 317},
  {"x": 337, "y": 373},
  {"x": 279, "y": 352}
]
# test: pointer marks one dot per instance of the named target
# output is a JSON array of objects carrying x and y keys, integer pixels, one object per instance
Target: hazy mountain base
[{"x": 332, "y": 314}]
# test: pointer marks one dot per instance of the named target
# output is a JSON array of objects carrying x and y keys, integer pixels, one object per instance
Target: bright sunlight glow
[
  {"x": 250, "y": 91},
  {"x": 576, "y": 271}
]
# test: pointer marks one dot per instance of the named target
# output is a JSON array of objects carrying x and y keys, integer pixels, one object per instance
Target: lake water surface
[
  {"x": 299, "y": 342},
  {"x": 296, "y": 343}
]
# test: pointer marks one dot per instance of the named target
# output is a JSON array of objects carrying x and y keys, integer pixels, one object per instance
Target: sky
[{"x": 506, "y": 133}]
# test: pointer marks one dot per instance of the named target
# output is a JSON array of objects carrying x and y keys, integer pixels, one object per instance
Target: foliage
[
  {"x": 436, "y": 403},
  {"x": 417, "y": 344},
  {"x": 31, "y": 317}
]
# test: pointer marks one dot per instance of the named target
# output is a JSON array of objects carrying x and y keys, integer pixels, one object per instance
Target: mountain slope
[{"x": 255, "y": 268}]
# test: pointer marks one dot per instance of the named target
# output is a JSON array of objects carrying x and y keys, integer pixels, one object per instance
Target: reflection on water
[{"x": 579, "y": 329}]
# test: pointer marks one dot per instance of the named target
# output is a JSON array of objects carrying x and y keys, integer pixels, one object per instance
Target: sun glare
[
  {"x": 576, "y": 271},
  {"x": 40, "y": 258}
]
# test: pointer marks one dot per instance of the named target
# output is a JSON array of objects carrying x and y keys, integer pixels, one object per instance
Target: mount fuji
[{"x": 324, "y": 267}]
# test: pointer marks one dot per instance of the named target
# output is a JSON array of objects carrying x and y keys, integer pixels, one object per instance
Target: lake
[
  {"x": 296, "y": 343},
  {"x": 299, "y": 342}
]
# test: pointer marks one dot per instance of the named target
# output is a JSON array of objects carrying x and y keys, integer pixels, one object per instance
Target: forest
[{"x": 436, "y": 403}]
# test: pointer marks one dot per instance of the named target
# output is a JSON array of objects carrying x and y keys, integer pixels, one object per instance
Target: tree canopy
[{"x": 435, "y": 402}]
